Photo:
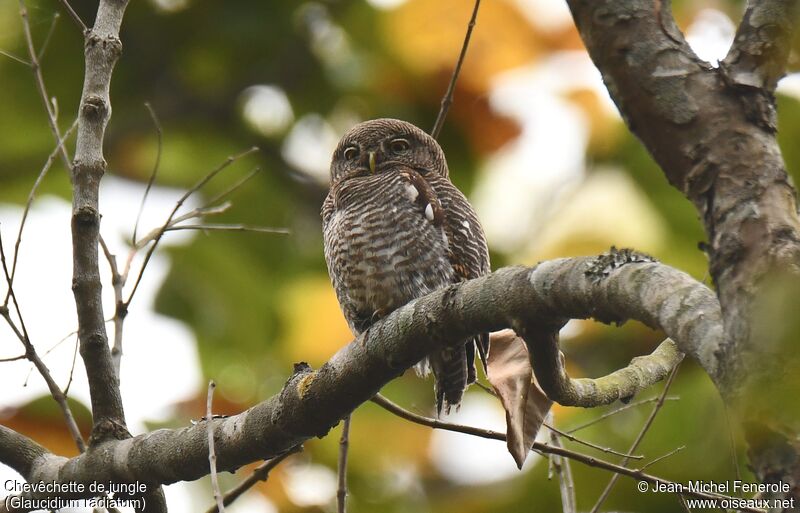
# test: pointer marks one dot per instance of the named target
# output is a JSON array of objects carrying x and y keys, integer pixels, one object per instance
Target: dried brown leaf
[{"x": 525, "y": 403}]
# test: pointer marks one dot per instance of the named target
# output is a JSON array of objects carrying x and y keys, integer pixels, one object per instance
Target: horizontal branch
[{"x": 313, "y": 401}]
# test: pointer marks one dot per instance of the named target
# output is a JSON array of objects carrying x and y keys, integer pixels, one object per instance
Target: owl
[{"x": 395, "y": 229}]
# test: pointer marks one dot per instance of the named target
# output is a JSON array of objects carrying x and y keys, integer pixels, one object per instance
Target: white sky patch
[
  {"x": 160, "y": 364},
  {"x": 386, "y": 5},
  {"x": 790, "y": 85},
  {"x": 309, "y": 484},
  {"x": 710, "y": 35},
  {"x": 267, "y": 109},
  {"x": 546, "y": 15},
  {"x": 309, "y": 146},
  {"x": 469, "y": 460},
  {"x": 170, "y": 6}
]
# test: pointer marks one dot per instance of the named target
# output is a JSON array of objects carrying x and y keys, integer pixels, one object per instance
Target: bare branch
[
  {"x": 19, "y": 452},
  {"x": 48, "y": 163},
  {"x": 14, "y": 58},
  {"x": 344, "y": 445},
  {"x": 620, "y": 410},
  {"x": 762, "y": 44},
  {"x": 159, "y": 136},
  {"x": 13, "y": 358},
  {"x": 313, "y": 401},
  {"x": 663, "y": 457},
  {"x": 72, "y": 14},
  {"x": 261, "y": 473},
  {"x": 37, "y": 74},
  {"x": 196, "y": 187},
  {"x": 448, "y": 96},
  {"x": 102, "y": 49},
  {"x": 537, "y": 447},
  {"x": 30, "y": 354},
  {"x": 564, "y": 471},
  {"x": 48, "y": 36},
  {"x": 192, "y": 214},
  {"x": 639, "y": 438},
  {"x": 229, "y": 228},
  {"x": 120, "y": 311},
  {"x": 577, "y": 440},
  {"x": 212, "y": 457},
  {"x": 233, "y": 188}
]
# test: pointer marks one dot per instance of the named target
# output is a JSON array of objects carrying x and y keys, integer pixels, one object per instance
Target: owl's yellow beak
[{"x": 372, "y": 162}]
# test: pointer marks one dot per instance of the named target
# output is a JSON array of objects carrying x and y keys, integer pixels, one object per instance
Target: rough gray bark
[
  {"x": 611, "y": 288},
  {"x": 712, "y": 131},
  {"x": 102, "y": 48}
]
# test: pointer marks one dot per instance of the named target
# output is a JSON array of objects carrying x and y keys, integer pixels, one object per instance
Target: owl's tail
[{"x": 453, "y": 369}]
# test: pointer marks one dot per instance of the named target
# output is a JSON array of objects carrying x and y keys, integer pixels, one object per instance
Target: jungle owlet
[{"x": 395, "y": 229}]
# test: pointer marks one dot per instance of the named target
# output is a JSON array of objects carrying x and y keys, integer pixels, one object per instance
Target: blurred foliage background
[{"x": 532, "y": 138}]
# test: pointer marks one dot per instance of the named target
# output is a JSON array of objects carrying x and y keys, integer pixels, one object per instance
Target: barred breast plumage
[{"x": 395, "y": 228}]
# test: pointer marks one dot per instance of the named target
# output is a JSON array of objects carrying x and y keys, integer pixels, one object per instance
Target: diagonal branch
[
  {"x": 447, "y": 100},
  {"x": 645, "y": 428},
  {"x": 313, "y": 401}
]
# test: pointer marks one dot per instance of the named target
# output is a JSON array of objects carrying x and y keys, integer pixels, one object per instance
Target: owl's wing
[
  {"x": 327, "y": 209},
  {"x": 467, "y": 249}
]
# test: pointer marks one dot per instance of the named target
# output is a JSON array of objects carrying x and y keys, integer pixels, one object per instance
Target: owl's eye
[
  {"x": 350, "y": 152},
  {"x": 399, "y": 145}
]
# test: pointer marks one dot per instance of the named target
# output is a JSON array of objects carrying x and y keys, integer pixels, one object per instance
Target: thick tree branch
[
  {"x": 313, "y": 401},
  {"x": 762, "y": 44},
  {"x": 102, "y": 47},
  {"x": 20, "y": 452},
  {"x": 714, "y": 141},
  {"x": 712, "y": 131}
]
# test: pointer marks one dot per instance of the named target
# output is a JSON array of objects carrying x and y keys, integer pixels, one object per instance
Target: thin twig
[
  {"x": 13, "y": 358},
  {"x": 208, "y": 209},
  {"x": 212, "y": 457},
  {"x": 152, "y": 234},
  {"x": 565, "y": 480},
  {"x": 663, "y": 457},
  {"x": 639, "y": 438},
  {"x": 15, "y": 58},
  {"x": 261, "y": 473},
  {"x": 734, "y": 457},
  {"x": 72, "y": 368},
  {"x": 593, "y": 446},
  {"x": 156, "y": 165},
  {"x": 72, "y": 14},
  {"x": 48, "y": 163},
  {"x": 448, "y": 97},
  {"x": 230, "y": 190},
  {"x": 48, "y": 36},
  {"x": 619, "y": 410},
  {"x": 30, "y": 353},
  {"x": 120, "y": 312},
  {"x": 344, "y": 445},
  {"x": 683, "y": 504},
  {"x": 545, "y": 449},
  {"x": 230, "y": 160},
  {"x": 37, "y": 74},
  {"x": 229, "y": 228}
]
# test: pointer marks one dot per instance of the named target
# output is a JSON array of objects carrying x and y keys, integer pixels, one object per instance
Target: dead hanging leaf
[{"x": 525, "y": 403}]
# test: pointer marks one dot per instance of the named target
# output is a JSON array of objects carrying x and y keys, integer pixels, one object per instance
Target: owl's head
[{"x": 379, "y": 145}]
